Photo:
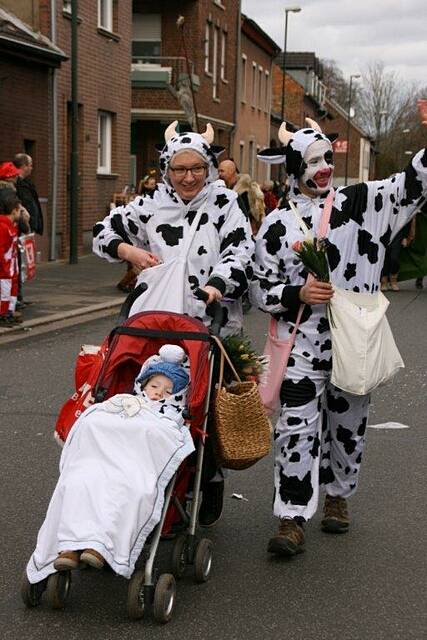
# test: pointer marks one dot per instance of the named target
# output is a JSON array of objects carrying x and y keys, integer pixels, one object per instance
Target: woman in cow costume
[
  {"x": 152, "y": 229},
  {"x": 320, "y": 434}
]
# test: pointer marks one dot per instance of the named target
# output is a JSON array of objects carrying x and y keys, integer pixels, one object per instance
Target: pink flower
[{"x": 297, "y": 246}]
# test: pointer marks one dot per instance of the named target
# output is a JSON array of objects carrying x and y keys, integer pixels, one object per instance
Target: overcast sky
[{"x": 352, "y": 32}]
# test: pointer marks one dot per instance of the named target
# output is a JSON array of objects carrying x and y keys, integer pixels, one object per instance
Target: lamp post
[
  {"x": 292, "y": 9},
  {"x": 355, "y": 75},
  {"x": 380, "y": 116}
]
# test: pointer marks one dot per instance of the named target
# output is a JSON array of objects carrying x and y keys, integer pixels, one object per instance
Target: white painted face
[{"x": 318, "y": 167}]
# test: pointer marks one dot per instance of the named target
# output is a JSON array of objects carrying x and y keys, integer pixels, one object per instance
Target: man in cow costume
[
  {"x": 320, "y": 434},
  {"x": 152, "y": 229}
]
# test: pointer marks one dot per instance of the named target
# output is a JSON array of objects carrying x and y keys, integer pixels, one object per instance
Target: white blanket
[{"x": 114, "y": 470}]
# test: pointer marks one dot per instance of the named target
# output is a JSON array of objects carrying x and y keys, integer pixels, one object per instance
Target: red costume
[{"x": 8, "y": 265}]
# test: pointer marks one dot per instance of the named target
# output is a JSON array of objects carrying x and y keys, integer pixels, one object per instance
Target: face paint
[{"x": 317, "y": 168}]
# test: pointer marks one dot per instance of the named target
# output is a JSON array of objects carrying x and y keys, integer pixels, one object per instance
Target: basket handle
[{"x": 224, "y": 356}]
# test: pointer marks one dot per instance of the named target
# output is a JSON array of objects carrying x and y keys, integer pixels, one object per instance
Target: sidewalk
[{"x": 62, "y": 291}]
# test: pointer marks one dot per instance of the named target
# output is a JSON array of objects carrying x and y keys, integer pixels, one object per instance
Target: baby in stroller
[{"x": 115, "y": 466}]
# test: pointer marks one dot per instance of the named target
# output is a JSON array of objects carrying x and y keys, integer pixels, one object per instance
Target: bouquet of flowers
[
  {"x": 249, "y": 365},
  {"x": 312, "y": 253}
]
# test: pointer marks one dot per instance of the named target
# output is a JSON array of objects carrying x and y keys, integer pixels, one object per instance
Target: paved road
[{"x": 364, "y": 585}]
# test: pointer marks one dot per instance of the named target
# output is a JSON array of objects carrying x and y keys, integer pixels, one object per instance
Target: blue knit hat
[{"x": 175, "y": 373}]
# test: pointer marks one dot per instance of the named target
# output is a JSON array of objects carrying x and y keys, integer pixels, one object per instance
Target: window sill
[
  {"x": 108, "y": 34},
  {"x": 216, "y": 100},
  {"x": 107, "y": 176},
  {"x": 219, "y": 4},
  {"x": 208, "y": 73},
  {"x": 243, "y": 101},
  {"x": 67, "y": 14},
  {"x": 224, "y": 80}
]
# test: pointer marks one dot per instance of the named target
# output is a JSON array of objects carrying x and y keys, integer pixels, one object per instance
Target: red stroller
[{"x": 124, "y": 351}]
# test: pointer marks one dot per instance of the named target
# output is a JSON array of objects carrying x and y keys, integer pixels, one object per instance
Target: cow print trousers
[{"x": 319, "y": 439}]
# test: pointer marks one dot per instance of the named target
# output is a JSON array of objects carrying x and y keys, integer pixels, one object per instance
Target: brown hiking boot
[
  {"x": 92, "y": 558},
  {"x": 67, "y": 560},
  {"x": 290, "y": 539},
  {"x": 335, "y": 515}
]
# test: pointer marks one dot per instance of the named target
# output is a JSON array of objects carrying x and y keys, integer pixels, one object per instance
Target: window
[
  {"x": 223, "y": 55},
  {"x": 260, "y": 94},
  {"x": 243, "y": 79},
  {"x": 241, "y": 155},
  {"x": 215, "y": 64},
  {"x": 251, "y": 158},
  {"x": 66, "y": 6},
  {"x": 267, "y": 91},
  {"x": 105, "y": 126},
  {"x": 105, "y": 14},
  {"x": 146, "y": 35},
  {"x": 207, "y": 46},
  {"x": 254, "y": 77}
]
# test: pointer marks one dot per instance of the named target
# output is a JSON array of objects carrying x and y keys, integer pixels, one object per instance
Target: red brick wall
[{"x": 103, "y": 84}]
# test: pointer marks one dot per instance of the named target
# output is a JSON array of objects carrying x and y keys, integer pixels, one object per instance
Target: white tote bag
[
  {"x": 167, "y": 284},
  {"x": 364, "y": 353}
]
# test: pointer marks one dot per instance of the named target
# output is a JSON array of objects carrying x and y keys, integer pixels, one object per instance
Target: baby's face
[{"x": 158, "y": 387}]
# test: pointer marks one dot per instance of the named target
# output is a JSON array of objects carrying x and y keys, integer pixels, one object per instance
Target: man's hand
[
  {"x": 214, "y": 294},
  {"x": 316, "y": 292},
  {"x": 140, "y": 258}
]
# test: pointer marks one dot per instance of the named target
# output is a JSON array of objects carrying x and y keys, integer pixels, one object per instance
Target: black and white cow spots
[
  {"x": 336, "y": 404},
  {"x": 296, "y": 394},
  {"x": 294, "y": 490},
  {"x": 366, "y": 246},
  {"x": 221, "y": 200},
  {"x": 350, "y": 271},
  {"x": 171, "y": 234},
  {"x": 273, "y": 237}
]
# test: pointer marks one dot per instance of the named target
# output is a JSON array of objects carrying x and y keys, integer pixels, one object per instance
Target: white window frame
[
  {"x": 260, "y": 94},
  {"x": 223, "y": 55},
  {"x": 267, "y": 91},
  {"x": 251, "y": 150},
  {"x": 66, "y": 6},
  {"x": 254, "y": 83},
  {"x": 105, "y": 14},
  {"x": 243, "y": 79},
  {"x": 207, "y": 45},
  {"x": 241, "y": 156},
  {"x": 215, "y": 64},
  {"x": 105, "y": 141}
]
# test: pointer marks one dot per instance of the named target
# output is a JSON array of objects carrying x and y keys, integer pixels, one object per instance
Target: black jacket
[{"x": 26, "y": 192}]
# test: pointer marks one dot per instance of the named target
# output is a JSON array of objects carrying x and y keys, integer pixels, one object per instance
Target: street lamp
[
  {"x": 354, "y": 75},
  {"x": 292, "y": 9},
  {"x": 380, "y": 116}
]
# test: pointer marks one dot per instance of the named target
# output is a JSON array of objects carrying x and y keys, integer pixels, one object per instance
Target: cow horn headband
[{"x": 171, "y": 131}]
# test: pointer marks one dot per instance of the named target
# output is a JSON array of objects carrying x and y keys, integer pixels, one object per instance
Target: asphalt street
[{"x": 368, "y": 584}]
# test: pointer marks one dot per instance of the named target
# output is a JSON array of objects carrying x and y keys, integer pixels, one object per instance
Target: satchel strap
[
  {"x": 224, "y": 356},
  {"x": 273, "y": 325},
  {"x": 322, "y": 229}
]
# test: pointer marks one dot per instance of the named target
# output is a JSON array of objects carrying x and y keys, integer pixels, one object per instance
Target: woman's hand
[
  {"x": 139, "y": 258},
  {"x": 214, "y": 294},
  {"x": 316, "y": 292}
]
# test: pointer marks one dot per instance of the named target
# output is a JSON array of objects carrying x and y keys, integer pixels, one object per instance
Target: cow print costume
[
  {"x": 320, "y": 434},
  {"x": 222, "y": 252}
]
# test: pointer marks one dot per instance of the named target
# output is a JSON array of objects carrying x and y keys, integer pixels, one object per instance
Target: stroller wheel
[
  {"x": 179, "y": 556},
  {"x": 31, "y": 594},
  {"x": 135, "y": 602},
  {"x": 203, "y": 560},
  {"x": 164, "y": 598},
  {"x": 58, "y": 588}
]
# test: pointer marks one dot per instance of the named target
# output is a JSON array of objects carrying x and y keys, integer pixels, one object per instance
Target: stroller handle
[{"x": 217, "y": 312}]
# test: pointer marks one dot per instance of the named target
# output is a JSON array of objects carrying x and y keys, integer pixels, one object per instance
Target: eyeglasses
[{"x": 181, "y": 172}]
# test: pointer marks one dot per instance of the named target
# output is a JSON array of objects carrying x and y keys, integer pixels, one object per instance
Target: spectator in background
[
  {"x": 270, "y": 199},
  {"x": 148, "y": 184},
  {"x": 227, "y": 171},
  {"x": 253, "y": 197},
  {"x": 413, "y": 258},
  {"x": 10, "y": 212},
  {"x": 27, "y": 193},
  {"x": 390, "y": 272}
]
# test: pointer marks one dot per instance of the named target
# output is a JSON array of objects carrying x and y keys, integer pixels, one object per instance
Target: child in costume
[
  {"x": 10, "y": 211},
  {"x": 115, "y": 466}
]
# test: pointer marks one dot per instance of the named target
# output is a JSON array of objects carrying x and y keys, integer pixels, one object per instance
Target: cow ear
[
  {"x": 273, "y": 155},
  {"x": 332, "y": 136},
  {"x": 217, "y": 149}
]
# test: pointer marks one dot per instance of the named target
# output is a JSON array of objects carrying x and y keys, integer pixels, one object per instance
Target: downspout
[
  {"x": 54, "y": 133},
  {"x": 238, "y": 74}
]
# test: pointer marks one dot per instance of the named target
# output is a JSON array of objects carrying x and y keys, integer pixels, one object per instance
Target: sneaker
[
  {"x": 419, "y": 283},
  {"x": 67, "y": 561},
  {"x": 289, "y": 540},
  {"x": 7, "y": 322},
  {"x": 212, "y": 503},
  {"x": 335, "y": 515},
  {"x": 92, "y": 558}
]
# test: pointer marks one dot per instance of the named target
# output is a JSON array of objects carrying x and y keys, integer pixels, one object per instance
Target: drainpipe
[
  {"x": 54, "y": 133},
  {"x": 74, "y": 177},
  {"x": 238, "y": 74}
]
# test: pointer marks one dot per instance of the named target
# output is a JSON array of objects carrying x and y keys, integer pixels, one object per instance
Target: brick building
[
  {"x": 27, "y": 63},
  {"x": 104, "y": 37},
  {"x": 257, "y": 52},
  {"x": 160, "y": 74}
]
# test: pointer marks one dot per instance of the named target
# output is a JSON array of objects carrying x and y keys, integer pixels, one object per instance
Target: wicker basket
[{"x": 242, "y": 429}]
